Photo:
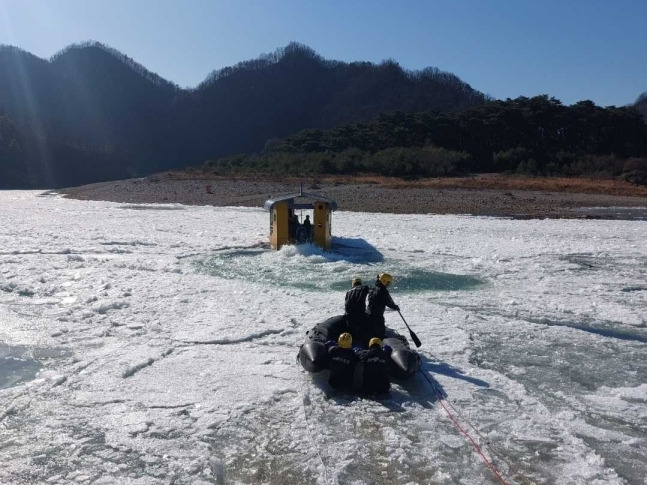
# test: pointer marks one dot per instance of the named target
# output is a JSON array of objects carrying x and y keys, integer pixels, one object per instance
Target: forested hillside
[
  {"x": 641, "y": 105},
  {"x": 11, "y": 170},
  {"x": 93, "y": 108},
  {"x": 28, "y": 160},
  {"x": 538, "y": 136}
]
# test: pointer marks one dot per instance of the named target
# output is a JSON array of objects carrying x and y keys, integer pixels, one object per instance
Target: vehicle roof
[{"x": 269, "y": 203}]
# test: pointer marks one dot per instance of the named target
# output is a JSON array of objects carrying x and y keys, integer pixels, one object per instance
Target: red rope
[{"x": 460, "y": 428}]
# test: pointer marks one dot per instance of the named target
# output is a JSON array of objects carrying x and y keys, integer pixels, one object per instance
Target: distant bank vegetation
[{"x": 534, "y": 136}]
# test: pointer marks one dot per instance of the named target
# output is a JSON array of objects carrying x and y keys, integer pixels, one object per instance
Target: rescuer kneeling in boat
[
  {"x": 355, "y": 310},
  {"x": 371, "y": 372},
  {"x": 378, "y": 299},
  {"x": 342, "y": 362}
]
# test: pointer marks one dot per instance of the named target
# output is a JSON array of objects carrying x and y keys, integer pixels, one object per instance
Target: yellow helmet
[
  {"x": 356, "y": 281},
  {"x": 374, "y": 341},
  {"x": 345, "y": 340},
  {"x": 385, "y": 279}
]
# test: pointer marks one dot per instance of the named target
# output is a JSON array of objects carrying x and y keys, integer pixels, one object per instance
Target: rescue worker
[
  {"x": 293, "y": 225},
  {"x": 355, "y": 310},
  {"x": 378, "y": 299},
  {"x": 307, "y": 225},
  {"x": 342, "y": 362},
  {"x": 371, "y": 372}
]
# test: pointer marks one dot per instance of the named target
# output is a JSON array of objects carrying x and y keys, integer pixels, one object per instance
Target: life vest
[
  {"x": 371, "y": 373},
  {"x": 342, "y": 366}
]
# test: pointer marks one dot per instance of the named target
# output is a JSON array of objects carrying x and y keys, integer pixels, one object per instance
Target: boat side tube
[
  {"x": 404, "y": 361},
  {"x": 313, "y": 354}
]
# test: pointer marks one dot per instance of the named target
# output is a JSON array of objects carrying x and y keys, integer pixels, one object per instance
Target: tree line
[{"x": 536, "y": 136}]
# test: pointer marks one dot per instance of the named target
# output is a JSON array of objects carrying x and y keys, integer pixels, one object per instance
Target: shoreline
[{"x": 466, "y": 196}]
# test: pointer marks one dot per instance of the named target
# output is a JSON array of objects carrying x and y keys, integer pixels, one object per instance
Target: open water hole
[
  {"x": 310, "y": 268},
  {"x": 17, "y": 365},
  {"x": 22, "y": 363}
]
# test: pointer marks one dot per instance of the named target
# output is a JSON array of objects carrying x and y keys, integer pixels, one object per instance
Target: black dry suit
[
  {"x": 356, "y": 310},
  {"x": 371, "y": 373},
  {"x": 378, "y": 299},
  {"x": 342, "y": 365}
]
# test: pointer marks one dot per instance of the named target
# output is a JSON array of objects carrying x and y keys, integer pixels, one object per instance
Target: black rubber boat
[{"x": 313, "y": 355}]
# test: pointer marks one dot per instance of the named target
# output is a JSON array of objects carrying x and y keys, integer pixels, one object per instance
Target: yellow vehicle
[{"x": 285, "y": 226}]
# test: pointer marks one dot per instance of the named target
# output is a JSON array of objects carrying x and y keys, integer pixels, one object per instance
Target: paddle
[{"x": 414, "y": 337}]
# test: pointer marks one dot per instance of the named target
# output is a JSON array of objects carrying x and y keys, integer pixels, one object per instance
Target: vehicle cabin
[{"x": 285, "y": 226}]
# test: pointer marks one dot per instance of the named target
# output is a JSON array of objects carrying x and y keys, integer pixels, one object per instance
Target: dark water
[
  {"x": 310, "y": 268},
  {"x": 417, "y": 280},
  {"x": 614, "y": 213},
  {"x": 16, "y": 365}
]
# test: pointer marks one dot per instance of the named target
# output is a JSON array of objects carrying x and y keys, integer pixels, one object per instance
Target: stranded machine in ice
[{"x": 287, "y": 228}]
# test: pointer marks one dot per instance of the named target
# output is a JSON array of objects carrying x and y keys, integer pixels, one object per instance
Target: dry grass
[{"x": 512, "y": 182}]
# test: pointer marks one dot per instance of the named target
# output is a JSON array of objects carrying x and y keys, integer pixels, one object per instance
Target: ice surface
[{"x": 157, "y": 343}]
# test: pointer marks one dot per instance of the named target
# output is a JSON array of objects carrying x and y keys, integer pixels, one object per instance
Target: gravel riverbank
[{"x": 362, "y": 196}]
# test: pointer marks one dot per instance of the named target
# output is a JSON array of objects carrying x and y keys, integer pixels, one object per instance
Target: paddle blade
[{"x": 415, "y": 338}]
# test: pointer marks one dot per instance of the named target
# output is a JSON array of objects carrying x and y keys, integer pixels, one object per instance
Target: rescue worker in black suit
[
  {"x": 307, "y": 225},
  {"x": 342, "y": 362},
  {"x": 371, "y": 372},
  {"x": 378, "y": 299},
  {"x": 355, "y": 310}
]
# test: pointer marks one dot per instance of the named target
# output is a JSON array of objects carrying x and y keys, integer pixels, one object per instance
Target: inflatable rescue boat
[{"x": 313, "y": 354}]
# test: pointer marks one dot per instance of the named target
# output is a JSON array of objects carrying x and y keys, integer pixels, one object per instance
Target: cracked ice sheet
[{"x": 157, "y": 370}]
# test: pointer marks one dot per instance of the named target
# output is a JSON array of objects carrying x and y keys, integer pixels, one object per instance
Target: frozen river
[{"x": 157, "y": 345}]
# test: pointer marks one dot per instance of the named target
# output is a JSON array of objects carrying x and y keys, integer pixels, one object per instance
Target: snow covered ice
[{"x": 156, "y": 344}]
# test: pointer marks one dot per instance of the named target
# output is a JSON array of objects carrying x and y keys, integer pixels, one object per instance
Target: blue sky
[{"x": 569, "y": 49}]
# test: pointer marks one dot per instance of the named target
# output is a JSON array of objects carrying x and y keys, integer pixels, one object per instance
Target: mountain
[
  {"x": 29, "y": 160},
  {"x": 87, "y": 96},
  {"x": 295, "y": 88},
  {"x": 90, "y": 98},
  {"x": 641, "y": 105}
]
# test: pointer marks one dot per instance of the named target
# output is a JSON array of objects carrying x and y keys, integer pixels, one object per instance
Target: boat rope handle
[{"x": 478, "y": 449}]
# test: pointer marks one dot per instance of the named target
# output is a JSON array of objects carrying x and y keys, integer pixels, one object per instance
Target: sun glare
[
  {"x": 23, "y": 88},
  {"x": 8, "y": 36}
]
